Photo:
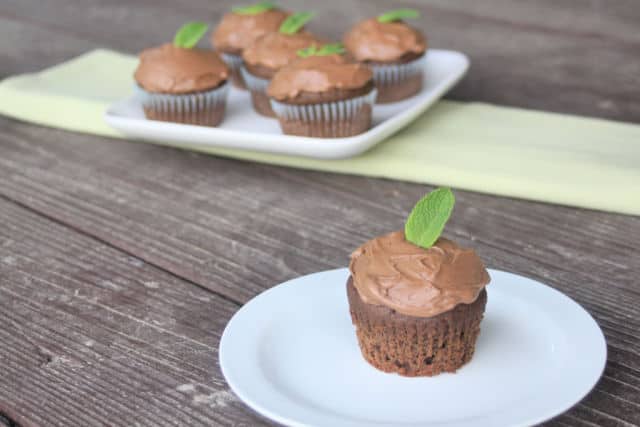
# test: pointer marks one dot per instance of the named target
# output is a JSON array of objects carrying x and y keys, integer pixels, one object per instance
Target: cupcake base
[
  {"x": 208, "y": 117},
  {"x": 258, "y": 87},
  {"x": 355, "y": 125},
  {"x": 398, "y": 81},
  {"x": 261, "y": 103},
  {"x": 198, "y": 108},
  {"x": 337, "y": 119},
  {"x": 234, "y": 62},
  {"x": 416, "y": 346},
  {"x": 237, "y": 80},
  {"x": 398, "y": 91}
]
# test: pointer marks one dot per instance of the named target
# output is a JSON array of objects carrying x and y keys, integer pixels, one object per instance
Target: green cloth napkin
[{"x": 563, "y": 159}]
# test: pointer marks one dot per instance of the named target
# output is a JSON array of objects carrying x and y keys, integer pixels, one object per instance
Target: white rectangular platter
[{"x": 244, "y": 129}]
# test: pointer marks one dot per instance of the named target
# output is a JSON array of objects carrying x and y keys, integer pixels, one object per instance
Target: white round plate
[{"x": 291, "y": 354}]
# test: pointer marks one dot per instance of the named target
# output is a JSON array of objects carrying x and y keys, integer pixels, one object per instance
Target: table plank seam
[
  {"x": 522, "y": 26},
  {"x": 200, "y": 404},
  {"x": 607, "y": 416},
  {"x": 536, "y": 28},
  {"x": 118, "y": 248}
]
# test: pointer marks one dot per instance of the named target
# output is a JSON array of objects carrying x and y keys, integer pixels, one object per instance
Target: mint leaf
[
  {"x": 327, "y": 49},
  {"x": 294, "y": 22},
  {"x": 428, "y": 217},
  {"x": 307, "y": 51},
  {"x": 398, "y": 14},
  {"x": 330, "y": 49},
  {"x": 189, "y": 34},
  {"x": 254, "y": 9}
]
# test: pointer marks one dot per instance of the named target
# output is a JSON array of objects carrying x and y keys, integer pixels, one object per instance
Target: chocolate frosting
[
  {"x": 375, "y": 41},
  {"x": 175, "y": 70},
  {"x": 393, "y": 272},
  {"x": 275, "y": 50},
  {"x": 317, "y": 74},
  {"x": 236, "y": 32}
]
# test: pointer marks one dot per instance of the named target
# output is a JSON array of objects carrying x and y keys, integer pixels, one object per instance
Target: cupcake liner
[
  {"x": 327, "y": 120},
  {"x": 389, "y": 74},
  {"x": 258, "y": 88},
  {"x": 254, "y": 83},
  {"x": 337, "y": 110},
  {"x": 201, "y": 108},
  {"x": 396, "y": 82},
  {"x": 415, "y": 346},
  {"x": 234, "y": 62}
]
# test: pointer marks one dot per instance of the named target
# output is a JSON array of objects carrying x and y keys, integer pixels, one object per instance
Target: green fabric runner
[{"x": 555, "y": 158}]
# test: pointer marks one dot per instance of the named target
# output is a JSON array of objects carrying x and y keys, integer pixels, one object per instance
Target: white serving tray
[{"x": 243, "y": 128}]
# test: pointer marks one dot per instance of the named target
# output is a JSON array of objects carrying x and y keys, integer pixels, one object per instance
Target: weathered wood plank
[
  {"x": 234, "y": 228},
  {"x": 575, "y": 57},
  {"x": 92, "y": 336}
]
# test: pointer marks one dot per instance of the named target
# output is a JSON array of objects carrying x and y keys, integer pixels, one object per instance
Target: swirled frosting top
[
  {"x": 236, "y": 31},
  {"x": 419, "y": 282},
  {"x": 176, "y": 70},
  {"x": 371, "y": 40},
  {"x": 318, "y": 74},
  {"x": 275, "y": 50}
]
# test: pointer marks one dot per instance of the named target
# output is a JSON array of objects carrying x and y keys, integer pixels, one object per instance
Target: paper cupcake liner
[
  {"x": 201, "y": 108},
  {"x": 416, "y": 346},
  {"x": 326, "y": 120},
  {"x": 254, "y": 83},
  {"x": 385, "y": 75},
  {"x": 337, "y": 110},
  {"x": 234, "y": 62},
  {"x": 258, "y": 88}
]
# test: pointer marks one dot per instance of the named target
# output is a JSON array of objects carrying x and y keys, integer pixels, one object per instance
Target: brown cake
[
  {"x": 240, "y": 28},
  {"x": 265, "y": 57},
  {"x": 417, "y": 311},
  {"x": 395, "y": 52},
  {"x": 184, "y": 85},
  {"x": 323, "y": 96}
]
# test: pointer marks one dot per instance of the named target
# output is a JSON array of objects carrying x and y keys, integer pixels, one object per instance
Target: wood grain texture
[
  {"x": 580, "y": 57},
  {"x": 236, "y": 230},
  {"x": 89, "y": 334},
  {"x": 145, "y": 251}
]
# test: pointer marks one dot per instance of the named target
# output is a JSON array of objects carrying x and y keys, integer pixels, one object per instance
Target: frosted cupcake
[
  {"x": 270, "y": 53},
  {"x": 240, "y": 28},
  {"x": 394, "y": 50},
  {"x": 415, "y": 298},
  {"x": 323, "y": 95},
  {"x": 177, "y": 82}
]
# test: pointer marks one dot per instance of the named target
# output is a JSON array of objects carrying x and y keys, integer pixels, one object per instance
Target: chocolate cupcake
[
  {"x": 240, "y": 28},
  {"x": 417, "y": 303},
  {"x": 394, "y": 51},
  {"x": 323, "y": 95},
  {"x": 272, "y": 52},
  {"x": 180, "y": 83}
]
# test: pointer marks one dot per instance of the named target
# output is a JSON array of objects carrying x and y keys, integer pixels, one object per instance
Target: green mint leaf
[
  {"x": 254, "y": 9},
  {"x": 327, "y": 49},
  {"x": 330, "y": 49},
  {"x": 189, "y": 34},
  {"x": 427, "y": 219},
  {"x": 294, "y": 22},
  {"x": 398, "y": 14},
  {"x": 307, "y": 51}
]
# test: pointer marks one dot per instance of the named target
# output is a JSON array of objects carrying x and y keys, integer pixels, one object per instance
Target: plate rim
[
  {"x": 552, "y": 411},
  {"x": 326, "y": 148}
]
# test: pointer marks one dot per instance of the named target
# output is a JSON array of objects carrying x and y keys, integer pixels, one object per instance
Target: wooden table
[{"x": 121, "y": 262}]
